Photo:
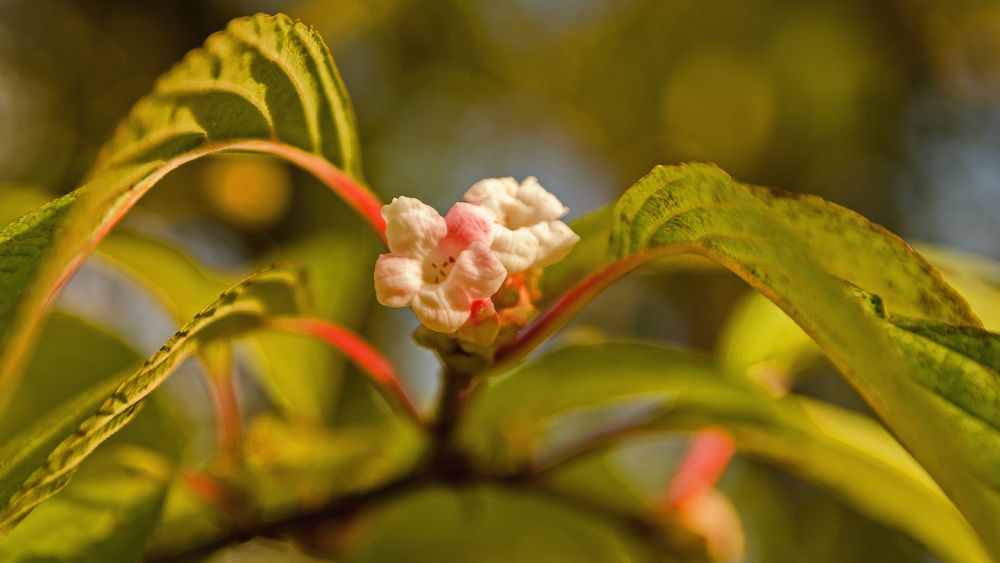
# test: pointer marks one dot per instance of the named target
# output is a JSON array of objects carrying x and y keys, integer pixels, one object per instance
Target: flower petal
[
  {"x": 467, "y": 224},
  {"x": 543, "y": 205},
  {"x": 442, "y": 307},
  {"x": 397, "y": 279},
  {"x": 515, "y": 248},
  {"x": 412, "y": 228},
  {"x": 494, "y": 194},
  {"x": 477, "y": 271},
  {"x": 555, "y": 240}
]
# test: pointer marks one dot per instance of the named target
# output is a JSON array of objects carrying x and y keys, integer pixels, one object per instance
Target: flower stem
[{"x": 456, "y": 388}]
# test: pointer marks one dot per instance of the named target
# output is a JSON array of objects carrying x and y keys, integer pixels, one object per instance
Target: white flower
[
  {"x": 437, "y": 265},
  {"x": 526, "y": 230}
]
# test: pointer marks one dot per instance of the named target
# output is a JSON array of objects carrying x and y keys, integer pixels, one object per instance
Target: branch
[{"x": 649, "y": 527}]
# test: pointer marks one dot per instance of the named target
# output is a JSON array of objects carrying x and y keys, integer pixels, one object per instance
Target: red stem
[
  {"x": 704, "y": 464},
  {"x": 566, "y": 307},
  {"x": 359, "y": 197},
  {"x": 216, "y": 494},
  {"x": 364, "y": 355},
  {"x": 356, "y": 195},
  {"x": 227, "y": 408}
]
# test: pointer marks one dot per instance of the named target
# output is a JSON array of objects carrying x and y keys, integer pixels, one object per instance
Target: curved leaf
[
  {"x": 42, "y": 461},
  {"x": 94, "y": 519},
  {"x": 265, "y": 84},
  {"x": 799, "y": 252},
  {"x": 576, "y": 399},
  {"x": 300, "y": 375},
  {"x": 106, "y": 515},
  {"x": 975, "y": 277}
]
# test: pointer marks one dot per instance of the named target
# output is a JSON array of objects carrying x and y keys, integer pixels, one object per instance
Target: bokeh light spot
[{"x": 251, "y": 192}]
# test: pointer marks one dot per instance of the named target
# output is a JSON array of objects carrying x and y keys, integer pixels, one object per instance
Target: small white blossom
[
  {"x": 527, "y": 232},
  {"x": 437, "y": 265}
]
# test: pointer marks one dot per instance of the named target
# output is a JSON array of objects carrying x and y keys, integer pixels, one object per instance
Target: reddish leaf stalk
[
  {"x": 356, "y": 195},
  {"x": 363, "y": 354},
  {"x": 227, "y": 408},
  {"x": 215, "y": 494},
  {"x": 701, "y": 468},
  {"x": 359, "y": 197},
  {"x": 566, "y": 307}
]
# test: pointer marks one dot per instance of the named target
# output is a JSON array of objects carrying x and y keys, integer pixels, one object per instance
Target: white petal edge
[
  {"x": 491, "y": 188},
  {"x": 543, "y": 204},
  {"x": 412, "y": 228},
  {"x": 515, "y": 248},
  {"x": 397, "y": 279},
  {"x": 555, "y": 240},
  {"x": 442, "y": 308}
]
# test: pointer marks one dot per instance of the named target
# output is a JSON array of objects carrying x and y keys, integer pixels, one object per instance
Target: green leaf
[
  {"x": 264, "y": 77},
  {"x": 591, "y": 253},
  {"x": 975, "y": 277},
  {"x": 297, "y": 462},
  {"x": 105, "y": 515},
  {"x": 487, "y": 524},
  {"x": 576, "y": 399},
  {"x": 265, "y": 84},
  {"x": 759, "y": 341},
  {"x": 41, "y": 461},
  {"x": 799, "y": 252},
  {"x": 301, "y": 375},
  {"x": 305, "y": 375},
  {"x": 774, "y": 508},
  {"x": 96, "y": 356},
  {"x": 107, "y": 512}
]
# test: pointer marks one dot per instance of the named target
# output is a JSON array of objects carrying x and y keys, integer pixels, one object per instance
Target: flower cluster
[{"x": 448, "y": 268}]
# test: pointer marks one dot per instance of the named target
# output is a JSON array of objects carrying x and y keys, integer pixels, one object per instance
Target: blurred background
[{"x": 889, "y": 107}]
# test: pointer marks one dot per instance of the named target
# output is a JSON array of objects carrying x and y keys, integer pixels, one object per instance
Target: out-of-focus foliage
[
  {"x": 935, "y": 374},
  {"x": 46, "y": 455},
  {"x": 565, "y": 403}
]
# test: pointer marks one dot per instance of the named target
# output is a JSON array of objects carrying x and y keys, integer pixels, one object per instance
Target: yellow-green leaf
[
  {"x": 577, "y": 399},
  {"x": 265, "y": 84},
  {"x": 42, "y": 460},
  {"x": 810, "y": 257}
]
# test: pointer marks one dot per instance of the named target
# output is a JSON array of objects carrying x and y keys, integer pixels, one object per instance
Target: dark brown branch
[{"x": 653, "y": 530}]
